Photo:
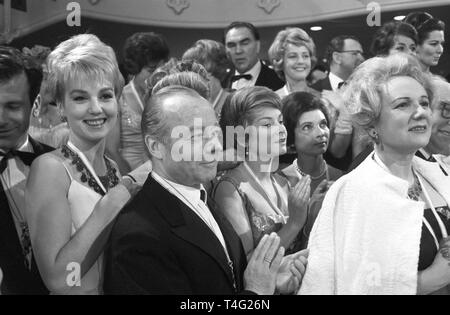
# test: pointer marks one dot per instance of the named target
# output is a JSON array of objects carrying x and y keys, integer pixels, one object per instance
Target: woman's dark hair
[
  {"x": 144, "y": 49},
  {"x": 424, "y": 23},
  {"x": 384, "y": 38},
  {"x": 295, "y": 105}
]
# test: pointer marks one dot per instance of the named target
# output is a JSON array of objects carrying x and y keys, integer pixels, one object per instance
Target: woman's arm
[
  {"x": 113, "y": 146},
  {"x": 435, "y": 277},
  {"x": 230, "y": 204},
  {"x": 298, "y": 202},
  {"x": 50, "y": 222}
]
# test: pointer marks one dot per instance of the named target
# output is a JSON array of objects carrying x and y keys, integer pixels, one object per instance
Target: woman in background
[
  {"x": 307, "y": 124},
  {"x": 431, "y": 38},
  {"x": 212, "y": 55},
  {"x": 293, "y": 55},
  {"x": 255, "y": 200},
  {"x": 393, "y": 37},
  {"x": 143, "y": 53}
]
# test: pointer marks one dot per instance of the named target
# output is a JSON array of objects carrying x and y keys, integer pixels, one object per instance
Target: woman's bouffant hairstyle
[
  {"x": 182, "y": 73},
  {"x": 384, "y": 38},
  {"x": 243, "y": 105},
  {"x": 211, "y": 55},
  {"x": 424, "y": 23},
  {"x": 143, "y": 50},
  {"x": 363, "y": 93},
  {"x": 291, "y": 35},
  {"x": 82, "y": 57},
  {"x": 295, "y": 105}
]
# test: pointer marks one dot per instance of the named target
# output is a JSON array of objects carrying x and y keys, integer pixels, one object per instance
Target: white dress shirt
[
  {"x": 191, "y": 197},
  {"x": 335, "y": 81},
  {"x": 243, "y": 83},
  {"x": 14, "y": 180}
]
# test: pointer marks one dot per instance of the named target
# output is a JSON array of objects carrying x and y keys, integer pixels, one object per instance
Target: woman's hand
[
  {"x": 315, "y": 204},
  {"x": 298, "y": 201},
  {"x": 437, "y": 276},
  {"x": 291, "y": 272}
]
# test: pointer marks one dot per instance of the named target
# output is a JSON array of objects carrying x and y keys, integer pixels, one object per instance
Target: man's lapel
[{"x": 188, "y": 226}]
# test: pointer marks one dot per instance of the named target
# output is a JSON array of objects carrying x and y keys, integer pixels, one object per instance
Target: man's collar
[
  {"x": 334, "y": 81},
  {"x": 23, "y": 146},
  {"x": 425, "y": 154},
  {"x": 254, "y": 72},
  {"x": 190, "y": 193}
]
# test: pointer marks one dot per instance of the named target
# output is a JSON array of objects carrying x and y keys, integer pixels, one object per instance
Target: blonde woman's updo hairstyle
[
  {"x": 184, "y": 73},
  {"x": 291, "y": 35},
  {"x": 363, "y": 93},
  {"x": 80, "y": 58}
]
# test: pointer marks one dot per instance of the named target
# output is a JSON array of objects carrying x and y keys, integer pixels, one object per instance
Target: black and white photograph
[{"x": 223, "y": 154}]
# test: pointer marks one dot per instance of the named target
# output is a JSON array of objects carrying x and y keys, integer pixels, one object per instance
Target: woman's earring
[
  {"x": 62, "y": 117},
  {"x": 375, "y": 136}
]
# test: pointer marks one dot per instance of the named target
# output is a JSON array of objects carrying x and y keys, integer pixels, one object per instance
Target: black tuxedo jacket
[
  {"x": 323, "y": 85},
  {"x": 160, "y": 246},
  {"x": 17, "y": 279},
  {"x": 269, "y": 78}
]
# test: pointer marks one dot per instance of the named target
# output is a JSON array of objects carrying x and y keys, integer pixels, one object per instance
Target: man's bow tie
[
  {"x": 26, "y": 157},
  {"x": 247, "y": 77}
]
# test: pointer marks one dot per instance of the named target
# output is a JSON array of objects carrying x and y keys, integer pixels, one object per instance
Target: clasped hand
[{"x": 268, "y": 270}]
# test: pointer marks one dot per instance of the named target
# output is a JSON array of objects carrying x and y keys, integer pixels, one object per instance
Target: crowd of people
[{"x": 220, "y": 173}]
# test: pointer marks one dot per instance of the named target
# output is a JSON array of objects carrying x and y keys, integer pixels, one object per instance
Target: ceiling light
[
  {"x": 399, "y": 18},
  {"x": 316, "y": 28}
]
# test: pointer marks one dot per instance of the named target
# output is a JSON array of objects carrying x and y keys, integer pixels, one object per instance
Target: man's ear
[
  {"x": 154, "y": 147},
  {"x": 336, "y": 56},
  {"x": 258, "y": 46}
]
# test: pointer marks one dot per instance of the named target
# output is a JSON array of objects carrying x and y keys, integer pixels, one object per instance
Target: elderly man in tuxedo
[
  {"x": 19, "y": 87},
  {"x": 170, "y": 239},
  {"x": 242, "y": 42}
]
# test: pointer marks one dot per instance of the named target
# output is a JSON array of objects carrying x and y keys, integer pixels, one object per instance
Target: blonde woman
[
  {"x": 380, "y": 230},
  {"x": 293, "y": 55},
  {"x": 74, "y": 193}
]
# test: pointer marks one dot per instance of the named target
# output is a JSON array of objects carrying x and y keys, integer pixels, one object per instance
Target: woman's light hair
[
  {"x": 291, "y": 35},
  {"x": 212, "y": 55},
  {"x": 184, "y": 73},
  {"x": 363, "y": 93},
  {"x": 80, "y": 58}
]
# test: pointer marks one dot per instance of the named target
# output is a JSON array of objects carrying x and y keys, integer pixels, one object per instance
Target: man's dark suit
[
  {"x": 323, "y": 85},
  {"x": 339, "y": 163},
  {"x": 267, "y": 77},
  {"x": 17, "y": 279},
  {"x": 160, "y": 246}
]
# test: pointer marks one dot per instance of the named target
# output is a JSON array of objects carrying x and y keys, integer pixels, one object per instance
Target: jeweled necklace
[
  {"x": 415, "y": 191},
  {"x": 108, "y": 181},
  {"x": 324, "y": 171}
]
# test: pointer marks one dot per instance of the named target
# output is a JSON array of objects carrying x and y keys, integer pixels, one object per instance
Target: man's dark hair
[
  {"x": 12, "y": 64},
  {"x": 337, "y": 45},
  {"x": 247, "y": 25}
]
